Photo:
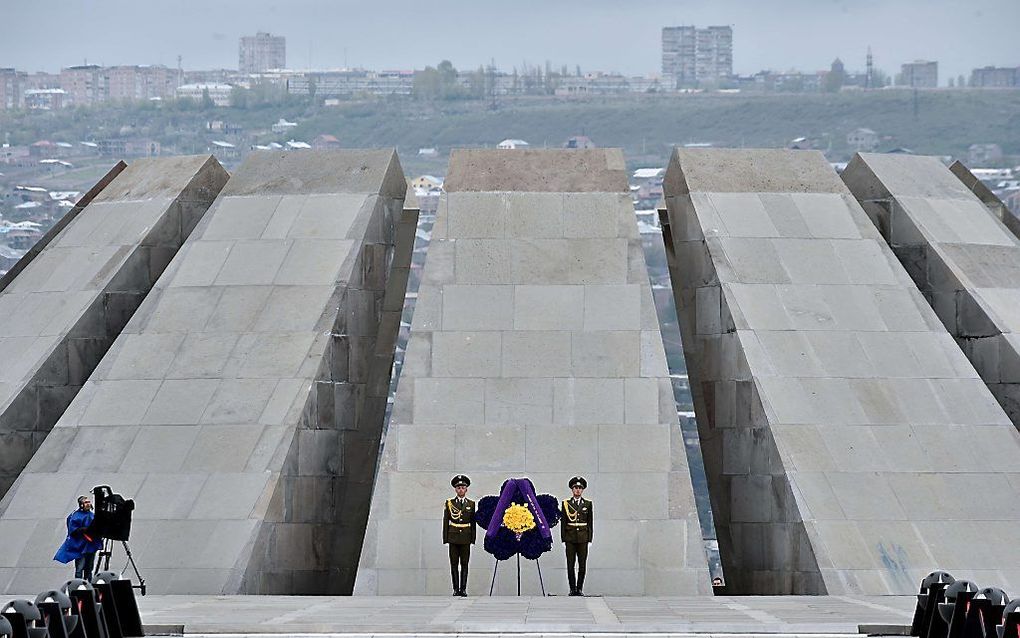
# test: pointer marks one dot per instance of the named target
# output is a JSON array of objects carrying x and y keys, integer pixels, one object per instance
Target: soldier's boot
[
  {"x": 463, "y": 581},
  {"x": 571, "y": 580},
  {"x": 580, "y": 581},
  {"x": 453, "y": 574}
]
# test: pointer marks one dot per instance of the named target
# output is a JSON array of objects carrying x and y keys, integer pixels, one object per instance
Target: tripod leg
[
  {"x": 518, "y": 574},
  {"x": 493, "y": 583},
  {"x": 540, "y": 581},
  {"x": 134, "y": 566}
]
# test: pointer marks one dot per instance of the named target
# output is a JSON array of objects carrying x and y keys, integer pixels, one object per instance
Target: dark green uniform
[
  {"x": 459, "y": 534},
  {"x": 576, "y": 528}
]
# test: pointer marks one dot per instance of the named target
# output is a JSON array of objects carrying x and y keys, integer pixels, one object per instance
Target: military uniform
[
  {"x": 459, "y": 534},
  {"x": 576, "y": 529}
]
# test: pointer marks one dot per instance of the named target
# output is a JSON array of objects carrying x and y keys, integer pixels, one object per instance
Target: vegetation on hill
[{"x": 943, "y": 122}]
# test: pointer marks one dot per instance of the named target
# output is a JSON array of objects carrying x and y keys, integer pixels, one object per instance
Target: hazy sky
[{"x": 612, "y": 35}]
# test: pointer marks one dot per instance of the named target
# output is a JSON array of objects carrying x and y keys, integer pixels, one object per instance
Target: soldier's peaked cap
[
  {"x": 460, "y": 479},
  {"x": 578, "y": 480}
]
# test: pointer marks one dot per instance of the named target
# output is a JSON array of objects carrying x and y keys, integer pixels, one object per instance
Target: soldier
[
  {"x": 576, "y": 533},
  {"x": 459, "y": 532}
]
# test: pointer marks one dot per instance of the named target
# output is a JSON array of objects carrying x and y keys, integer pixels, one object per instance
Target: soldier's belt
[
  {"x": 460, "y": 524},
  {"x": 578, "y": 524}
]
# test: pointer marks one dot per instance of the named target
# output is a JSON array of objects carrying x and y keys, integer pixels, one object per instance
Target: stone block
[
  {"x": 536, "y": 354},
  {"x": 548, "y": 307},
  {"x": 478, "y": 307}
]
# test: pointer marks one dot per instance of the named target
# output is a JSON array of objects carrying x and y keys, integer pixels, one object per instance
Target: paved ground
[{"x": 555, "y": 615}]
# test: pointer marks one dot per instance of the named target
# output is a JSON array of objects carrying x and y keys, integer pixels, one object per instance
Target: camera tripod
[{"x": 104, "y": 560}]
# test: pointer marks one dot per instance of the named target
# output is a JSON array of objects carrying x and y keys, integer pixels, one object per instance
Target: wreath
[{"x": 518, "y": 521}]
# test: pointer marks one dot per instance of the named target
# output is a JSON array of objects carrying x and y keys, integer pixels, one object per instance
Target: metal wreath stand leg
[{"x": 538, "y": 565}]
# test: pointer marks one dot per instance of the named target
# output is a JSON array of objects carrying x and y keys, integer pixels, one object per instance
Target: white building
[
  {"x": 512, "y": 144},
  {"x": 218, "y": 93}
]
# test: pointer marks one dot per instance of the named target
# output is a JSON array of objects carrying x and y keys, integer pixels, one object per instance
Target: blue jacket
[{"x": 76, "y": 545}]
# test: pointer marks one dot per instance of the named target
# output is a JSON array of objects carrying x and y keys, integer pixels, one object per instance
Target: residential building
[
  {"x": 862, "y": 140},
  {"x": 10, "y": 89},
  {"x": 984, "y": 154},
  {"x": 995, "y": 77},
  {"x": 920, "y": 74},
  {"x": 579, "y": 142},
  {"x": 218, "y": 93},
  {"x": 261, "y": 52},
  {"x": 714, "y": 54},
  {"x": 40, "y": 80},
  {"x": 85, "y": 85},
  {"x": 141, "y": 82},
  {"x": 282, "y": 126},
  {"x": 592, "y": 84},
  {"x": 349, "y": 82},
  {"x": 693, "y": 56},
  {"x": 129, "y": 148},
  {"x": 511, "y": 144},
  {"x": 679, "y": 48},
  {"x": 45, "y": 99},
  {"x": 326, "y": 141}
]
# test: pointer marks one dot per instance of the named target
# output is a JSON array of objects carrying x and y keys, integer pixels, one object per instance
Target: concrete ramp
[
  {"x": 226, "y": 407},
  {"x": 987, "y": 197},
  {"x": 535, "y": 351},
  {"x": 849, "y": 445},
  {"x": 65, "y": 302},
  {"x": 965, "y": 261}
]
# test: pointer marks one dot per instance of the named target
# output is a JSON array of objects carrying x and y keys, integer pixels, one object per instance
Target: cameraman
[{"x": 80, "y": 546}]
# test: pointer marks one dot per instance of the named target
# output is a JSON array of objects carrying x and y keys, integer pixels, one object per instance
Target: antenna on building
[{"x": 869, "y": 79}]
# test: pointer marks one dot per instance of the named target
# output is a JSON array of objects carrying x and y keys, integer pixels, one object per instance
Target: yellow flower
[{"x": 518, "y": 519}]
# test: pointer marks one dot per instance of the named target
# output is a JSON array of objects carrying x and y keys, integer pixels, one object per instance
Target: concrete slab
[
  {"x": 528, "y": 357},
  {"x": 985, "y": 194},
  {"x": 527, "y": 170},
  {"x": 964, "y": 260},
  {"x": 535, "y": 616},
  {"x": 838, "y": 420},
  {"x": 242, "y": 405},
  {"x": 62, "y": 308}
]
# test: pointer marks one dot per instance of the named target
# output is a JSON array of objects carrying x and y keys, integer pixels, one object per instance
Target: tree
[
  {"x": 426, "y": 84},
  {"x": 207, "y": 101},
  {"x": 238, "y": 97},
  {"x": 835, "y": 78}
]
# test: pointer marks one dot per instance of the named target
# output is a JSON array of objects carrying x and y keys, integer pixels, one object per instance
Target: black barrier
[
  {"x": 55, "y": 607},
  {"x": 954, "y": 610},
  {"x": 25, "y": 619},
  {"x": 109, "y": 605},
  {"x": 928, "y": 598},
  {"x": 1010, "y": 627},
  {"x": 985, "y": 613},
  {"x": 117, "y": 593},
  {"x": 86, "y": 607}
]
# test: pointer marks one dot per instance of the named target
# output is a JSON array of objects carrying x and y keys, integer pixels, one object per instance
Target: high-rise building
[
  {"x": 144, "y": 82},
  {"x": 691, "y": 55},
  {"x": 260, "y": 52},
  {"x": 84, "y": 85},
  {"x": 1000, "y": 77},
  {"x": 10, "y": 89},
  {"x": 920, "y": 74}
]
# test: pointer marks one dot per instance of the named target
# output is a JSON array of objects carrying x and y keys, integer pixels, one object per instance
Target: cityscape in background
[
  {"x": 41, "y": 178},
  {"x": 693, "y": 59}
]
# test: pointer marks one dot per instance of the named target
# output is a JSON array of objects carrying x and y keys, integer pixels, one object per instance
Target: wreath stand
[{"x": 495, "y": 567}]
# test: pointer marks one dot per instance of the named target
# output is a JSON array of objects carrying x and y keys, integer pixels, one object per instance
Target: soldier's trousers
[
  {"x": 576, "y": 552},
  {"x": 459, "y": 556}
]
